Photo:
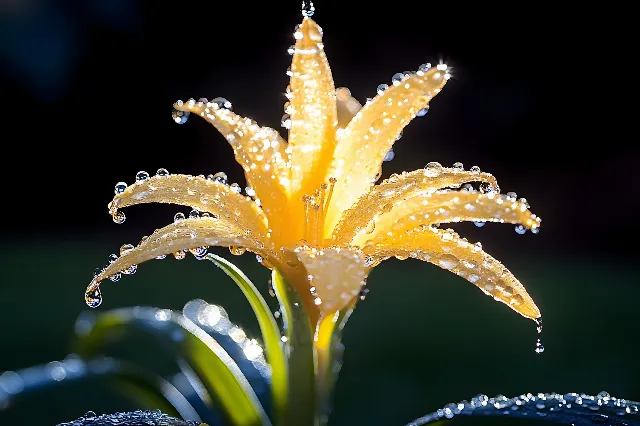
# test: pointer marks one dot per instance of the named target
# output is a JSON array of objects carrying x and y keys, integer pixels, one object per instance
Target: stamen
[{"x": 315, "y": 210}]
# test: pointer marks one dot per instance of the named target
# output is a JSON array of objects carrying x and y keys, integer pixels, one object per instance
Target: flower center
[{"x": 315, "y": 211}]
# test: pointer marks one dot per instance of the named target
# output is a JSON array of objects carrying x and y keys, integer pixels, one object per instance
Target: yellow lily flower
[{"x": 318, "y": 217}]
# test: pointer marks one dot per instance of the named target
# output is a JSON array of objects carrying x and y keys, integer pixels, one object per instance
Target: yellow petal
[
  {"x": 312, "y": 100},
  {"x": 347, "y": 107},
  {"x": 447, "y": 207},
  {"x": 335, "y": 277},
  {"x": 447, "y": 250},
  {"x": 260, "y": 151},
  {"x": 363, "y": 144},
  {"x": 397, "y": 188},
  {"x": 180, "y": 236},
  {"x": 203, "y": 194}
]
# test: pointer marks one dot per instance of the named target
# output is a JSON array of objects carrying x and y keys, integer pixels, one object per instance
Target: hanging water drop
[
  {"x": 237, "y": 250},
  {"x": 539, "y": 347},
  {"x": 199, "y": 252},
  {"x": 142, "y": 175},
  {"x": 118, "y": 217},
  {"x": 286, "y": 121},
  {"x": 180, "y": 117},
  {"x": 222, "y": 103},
  {"x": 220, "y": 177},
  {"x": 423, "y": 112},
  {"x": 363, "y": 293},
  {"x": 390, "y": 155},
  {"x": 130, "y": 270},
  {"x": 162, "y": 172},
  {"x": 308, "y": 8},
  {"x": 179, "y": 255},
  {"x": 120, "y": 188},
  {"x": 93, "y": 296},
  {"x": 115, "y": 277},
  {"x": 179, "y": 217},
  {"x": 486, "y": 187},
  {"x": 520, "y": 229},
  {"x": 538, "y": 324}
]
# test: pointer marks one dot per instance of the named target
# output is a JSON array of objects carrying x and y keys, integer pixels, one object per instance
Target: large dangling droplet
[
  {"x": 308, "y": 8},
  {"x": 93, "y": 296},
  {"x": 180, "y": 117}
]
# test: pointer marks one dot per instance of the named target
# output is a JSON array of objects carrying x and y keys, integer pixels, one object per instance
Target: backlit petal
[
  {"x": 203, "y": 194},
  {"x": 260, "y": 151},
  {"x": 312, "y": 100},
  {"x": 362, "y": 215},
  {"x": 447, "y": 250},
  {"x": 363, "y": 144},
  {"x": 185, "y": 235},
  {"x": 335, "y": 277},
  {"x": 446, "y": 207},
  {"x": 347, "y": 106}
]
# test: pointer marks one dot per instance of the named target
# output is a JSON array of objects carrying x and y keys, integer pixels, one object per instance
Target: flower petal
[
  {"x": 447, "y": 250},
  {"x": 260, "y": 151},
  {"x": 184, "y": 235},
  {"x": 335, "y": 276},
  {"x": 364, "y": 143},
  {"x": 396, "y": 189},
  {"x": 313, "y": 110},
  {"x": 197, "y": 192},
  {"x": 347, "y": 106},
  {"x": 432, "y": 208}
]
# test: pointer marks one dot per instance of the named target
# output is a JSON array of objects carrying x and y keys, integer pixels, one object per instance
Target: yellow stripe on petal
[
  {"x": 312, "y": 108},
  {"x": 363, "y": 144},
  {"x": 397, "y": 188},
  {"x": 260, "y": 151},
  {"x": 447, "y": 207},
  {"x": 335, "y": 278},
  {"x": 203, "y": 194},
  {"x": 447, "y": 250},
  {"x": 181, "y": 236}
]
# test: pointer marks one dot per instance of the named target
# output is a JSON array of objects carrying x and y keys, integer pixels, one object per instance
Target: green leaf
[
  {"x": 218, "y": 372},
  {"x": 569, "y": 409},
  {"x": 270, "y": 332},
  {"x": 300, "y": 355},
  {"x": 149, "y": 390}
]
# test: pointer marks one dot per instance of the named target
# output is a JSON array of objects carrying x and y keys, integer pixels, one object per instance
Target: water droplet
[
  {"x": 458, "y": 166},
  {"x": 199, "y": 252},
  {"x": 363, "y": 293},
  {"x": 512, "y": 195},
  {"x": 162, "y": 172},
  {"x": 119, "y": 217},
  {"x": 120, "y": 188},
  {"x": 179, "y": 217},
  {"x": 97, "y": 271},
  {"x": 448, "y": 261},
  {"x": 487, "y": 187},
  {"x": 479, "y": 223},
  {"x": 397, "y": 78},
  {"x": 113, "y": 258},
  {"x": 250, "y": 191},
  {"x": 130, "y": 270},
  {"x": 115, "y": 277},
  {"x": 180, "y": 117},
  {"x": 286, "y": 121},
  {"x": 538, "y": 324},
  {"x": 535, "y": 229},
  {"x": 307, "y": 8},
  {"x": 290, "y": 257},
  {"x": 193, "y": 214},
  {"x": 422, "y": 112},
  {"x": 93, "y": 296},
  {"x": 179, "y": 255},
  {"x": 390, "y": 155},
  {"x": 237, "y": 250},
  {"x": 520, "y": 229},
  {"x": 433, "y": 169},
  {"x": 235, "y": 188},
  {"x": 381, "y": 88},
  {"x": 142, "y": 175},
  {"x": 220, "y": 177},
  {"x": 222, "y": 103},
  {"x": 89, "y": 415},
  {"x": 474, "y": 169},
  {"x": 539, "y": 347},
  {"x": 424, "y": 68}
]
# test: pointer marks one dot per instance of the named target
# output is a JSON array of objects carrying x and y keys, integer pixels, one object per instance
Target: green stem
[{"x": 299, "y": 350}]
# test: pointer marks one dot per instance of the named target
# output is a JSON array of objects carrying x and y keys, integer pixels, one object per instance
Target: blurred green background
[{"x": 88, "y": 88}]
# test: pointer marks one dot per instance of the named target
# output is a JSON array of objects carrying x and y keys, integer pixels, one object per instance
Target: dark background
[{"x": 87, "y": 90}]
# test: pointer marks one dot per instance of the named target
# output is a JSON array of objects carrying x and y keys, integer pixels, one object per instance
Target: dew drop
[
  {"x": 115, "y": 277},
  {"x": 220, "y": 177},
  {"x": 381, "y": 88},
  {"x": 512, "y": 195},
  {"x": 130, "y": 270},
  {"x": 486, "y": 187},
  {"x": 250, "y": 191},
  {"x": 118, "y": 217},
  {"x": 433, "y": 169},
  {"x": 180, "y": 117},
  {"x": 199, "y": 252},
  {"x": 363, "y": 293},
  {"x": 397, "y": 78},
  {"x": 179, "y": 255},
  {"x": 448, "y": 261},
  {"x": 237, "y": 250},
  {"x": 286, "y": 121},
  {"x": 120, "y": 188},
  {"x": 307, "y": 8},
  {"x": 535, "y": 229},
  {"x": 235, "y": 188},
  {"x": 93, "y": 296},
  {"x": 423, "y": 112},
  {"x": 193, "y": 214},
  {"x": 142, "y": 175},
  {"x": 113, "y": 258},
  {"x": 539, "y": 347},
  {"x": 538, "y": 324},
  {"x": 424, "y": 68},
  {"x": 162, "y": 172},
  {"x": 222, "y": 103},
  {"x": 458, "y": 166},
  {"x": 179, "y": 217},
  {"x": 474, "y": 169},
  {"x": 390, "y": 155},
  {"x": 479, "y": 223},
  {"x": 520, "y": 229}
]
